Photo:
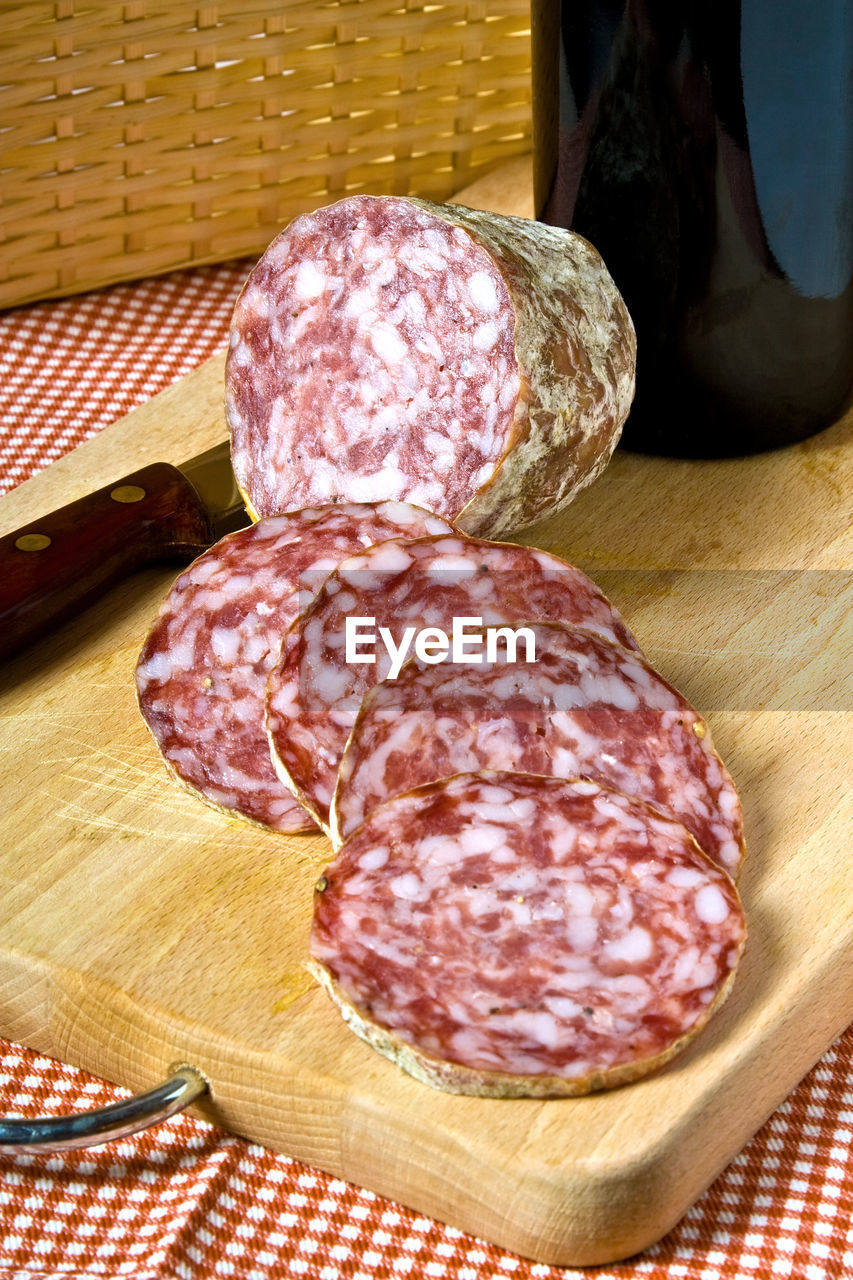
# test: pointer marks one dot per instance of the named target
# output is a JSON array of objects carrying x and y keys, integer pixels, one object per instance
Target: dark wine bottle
[{"x": 705, "y": 147}]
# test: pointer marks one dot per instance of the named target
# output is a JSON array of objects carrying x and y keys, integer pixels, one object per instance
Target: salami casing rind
[
  {"x": 584, "y": 707},
  {"x": 508, "y": 935},
  {"x": 478, "y": 365},
  {"x": 201, "y": 676},
  {"x": 314, "y": 694}
]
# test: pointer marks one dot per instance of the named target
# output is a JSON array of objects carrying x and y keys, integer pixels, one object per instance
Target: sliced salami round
[
  {"x": 201, "y": 676},
  {"x": 478, "y": 365},
  {"x": 506, "y": 935},
  {"x": 394, "y": 592},
  {"x": 583, "y": 707}
]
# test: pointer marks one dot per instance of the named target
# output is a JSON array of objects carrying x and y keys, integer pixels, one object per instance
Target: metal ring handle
[{"x": 118, "y": 1120}]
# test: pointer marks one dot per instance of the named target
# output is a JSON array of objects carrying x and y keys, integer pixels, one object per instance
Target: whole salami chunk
[
  {"x": 582, "y": 707},
  {"x": 401, "y": 588},
  {"x": 201, "y": 676},
  {"x": 506, "y": 935},
  {"x": 478, "y": 365}
]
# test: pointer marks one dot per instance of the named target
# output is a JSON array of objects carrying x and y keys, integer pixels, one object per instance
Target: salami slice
[
  {"x": 404, "y": 587},
  {"x": 201, "y": 676},
  {"x": 478, "y": 365},
  {"x": 584, "y": 707},
  {"x": 506, "y": 935}
]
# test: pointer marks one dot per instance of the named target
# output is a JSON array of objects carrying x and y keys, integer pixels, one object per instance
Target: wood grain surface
[{"x": 139, "y": 927}]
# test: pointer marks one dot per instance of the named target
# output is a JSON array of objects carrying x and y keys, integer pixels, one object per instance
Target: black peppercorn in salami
[
  {"x": 583, "y": 706},
  {"x": 201, "y": 676},
  {"x": 480, "y": 366},
  {"x": 504, "y": 935},
  {"x": 314, "y": 691}
]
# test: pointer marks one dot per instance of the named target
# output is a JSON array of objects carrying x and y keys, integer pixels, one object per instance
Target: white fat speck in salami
[
  {"x": 480, "y": 366},
  {"x": 573, "y": 946},
  {"x": 585, "y": 707},
  {"x": 201, "y": 677},
  {"x": 314, "y": 693}
]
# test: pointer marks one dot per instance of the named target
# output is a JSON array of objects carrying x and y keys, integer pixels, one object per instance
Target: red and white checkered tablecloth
[{"x": 187, "y": 1201}]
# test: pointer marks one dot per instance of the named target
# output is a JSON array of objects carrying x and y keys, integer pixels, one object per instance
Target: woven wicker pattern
[{"x": 144, "y": 136}]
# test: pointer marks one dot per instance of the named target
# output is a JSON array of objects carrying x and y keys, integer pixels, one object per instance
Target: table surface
[{"x": 188, "y": 1200}]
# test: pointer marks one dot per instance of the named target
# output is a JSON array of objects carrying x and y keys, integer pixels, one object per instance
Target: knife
[{"x": 54, "y": 567}]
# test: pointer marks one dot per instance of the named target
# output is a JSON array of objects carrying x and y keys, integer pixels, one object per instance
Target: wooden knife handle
[{"x": 53, "y": 568}]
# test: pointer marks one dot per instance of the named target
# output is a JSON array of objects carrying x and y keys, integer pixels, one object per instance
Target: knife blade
[{"x": 57, "y": 565}]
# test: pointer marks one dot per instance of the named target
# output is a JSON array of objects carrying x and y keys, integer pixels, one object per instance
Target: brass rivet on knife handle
[
  {"x": 128, "y": 493},
  {"x": 32, "y": 542}
]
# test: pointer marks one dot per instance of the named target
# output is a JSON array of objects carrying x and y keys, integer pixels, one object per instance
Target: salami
[
  {"x": 201, "y": 676},
  {"x": 584, "y": 707},
  {"x": 403, "y": 587},
  {"x": 478, "y": 365},
  {"x": 506, "y": 935}
]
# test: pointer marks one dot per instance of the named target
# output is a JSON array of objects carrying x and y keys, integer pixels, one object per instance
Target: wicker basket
[{"x": 142, "y": 136}]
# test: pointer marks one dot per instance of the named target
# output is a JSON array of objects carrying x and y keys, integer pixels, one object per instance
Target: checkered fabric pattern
[
  {"x": 187, "y": 1201},
  {"x": 74, "y": 366}
]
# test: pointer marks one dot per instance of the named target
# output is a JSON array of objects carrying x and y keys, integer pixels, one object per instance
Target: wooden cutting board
[{"x": 139, "y": 927}]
